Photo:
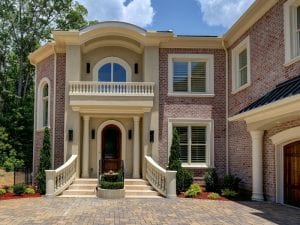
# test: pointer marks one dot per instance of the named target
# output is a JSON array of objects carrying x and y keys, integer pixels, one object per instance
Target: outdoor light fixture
[
  {"x": 136, "y": 68},
  {"x": 88, "y": 68},
  {"x": 151, "y": 136},
  {"x": 70, "y": 135},
  {"x": 129, "y": 134},
  {"x": 93, "y": 134}
]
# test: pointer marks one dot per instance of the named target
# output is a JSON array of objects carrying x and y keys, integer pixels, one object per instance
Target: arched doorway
[
  {"x": 111, "y": 148},
  {"x": 291, "y": 154}
]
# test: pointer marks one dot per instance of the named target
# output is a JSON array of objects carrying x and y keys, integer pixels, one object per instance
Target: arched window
[
  {"x": 112, "y": 69},
  {"x": 45, "y": 105},
  {"x": 43, "y": 99}
]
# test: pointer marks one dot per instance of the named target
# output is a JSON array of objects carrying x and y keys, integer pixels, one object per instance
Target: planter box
[{"x": 110, "y": 193}]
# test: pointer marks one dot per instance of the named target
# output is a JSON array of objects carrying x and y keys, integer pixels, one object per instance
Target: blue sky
[{"x": 192, "y": 17}]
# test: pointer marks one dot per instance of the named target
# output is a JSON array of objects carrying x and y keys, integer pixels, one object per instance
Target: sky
[{"x": 189, "y": 17}]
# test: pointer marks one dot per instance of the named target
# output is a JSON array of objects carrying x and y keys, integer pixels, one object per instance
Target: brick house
[{"x": 114, "y": 91}]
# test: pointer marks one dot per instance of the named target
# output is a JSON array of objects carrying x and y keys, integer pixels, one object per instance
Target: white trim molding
[
  {"x": 208, "y": 58},
  {"x": 112, "y": 60},
  {"x": 209, "y": 124},
  {"x": 280, "y": 140},
  {"x": 245, "y": 44},
  {"x": 40, "y": 113},
  {"x": 99, "y": 139}
]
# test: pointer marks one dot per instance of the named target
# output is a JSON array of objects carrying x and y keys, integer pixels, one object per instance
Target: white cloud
[
  {"x": 223, "y": 12},
  {"x": 138, "y": 12}
]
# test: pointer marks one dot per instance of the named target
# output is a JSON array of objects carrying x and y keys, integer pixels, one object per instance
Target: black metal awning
[{"x": 283, "y": 90}]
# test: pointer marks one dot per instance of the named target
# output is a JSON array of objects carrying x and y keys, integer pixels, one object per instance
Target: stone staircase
[{"x": 134, "y": 188}]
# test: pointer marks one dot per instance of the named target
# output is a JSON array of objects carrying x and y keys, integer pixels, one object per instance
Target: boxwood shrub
[
  {"x": 111, "y": 185},
  {"x": 19, "y": 189}
]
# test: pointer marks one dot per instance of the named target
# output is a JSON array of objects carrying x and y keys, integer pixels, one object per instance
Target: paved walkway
[{"x": 143, "y": 211}]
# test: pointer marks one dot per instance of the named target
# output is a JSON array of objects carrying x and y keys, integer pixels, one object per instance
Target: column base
[
  {"x": 85, "y": 176},
  {"x": 257, "y": 197},
  {"x": 136, "y": 176}
]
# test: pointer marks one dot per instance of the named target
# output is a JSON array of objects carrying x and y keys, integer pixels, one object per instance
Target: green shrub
[
  {"x": 19, "y": 189},
  {"x": 193, "y": 191},
  {"x": 214, "y": 196},
  {"x": 228, "y": 192},
  {"x": 231, "y": 182},
  {"x": 111, "y": 185},
  {"x": 45, "y": 162},
  {"x": 211, "y": 180},
  {"x": 184, "y": 178},
  {"x": 2, "y": 191},
  {"x": 29, "y": 191}
]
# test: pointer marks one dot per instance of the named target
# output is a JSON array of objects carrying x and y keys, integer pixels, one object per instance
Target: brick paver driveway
[{"x": 143, "y": 211}]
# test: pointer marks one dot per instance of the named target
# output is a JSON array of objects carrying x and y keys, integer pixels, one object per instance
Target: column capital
[
  {"x": 85, "y": 117},
  {"x": 256, "y": 133},
  {"x": 136, "y": 119}
]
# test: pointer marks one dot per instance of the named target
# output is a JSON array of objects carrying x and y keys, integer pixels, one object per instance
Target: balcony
[{"x": 110, "y": 97}]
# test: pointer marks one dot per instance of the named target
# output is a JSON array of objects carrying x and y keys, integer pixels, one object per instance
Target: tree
[
  {"x": 45, "y": 162},
  {"x": 184, "y": 177}
]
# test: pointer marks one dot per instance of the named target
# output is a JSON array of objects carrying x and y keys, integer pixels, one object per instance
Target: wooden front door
[
  {"x": 111, "y": 148},
  {"x": 292, "y": 174}
]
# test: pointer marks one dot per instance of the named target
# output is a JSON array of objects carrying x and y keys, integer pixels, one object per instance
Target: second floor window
[{"x": 112, "y": 72}]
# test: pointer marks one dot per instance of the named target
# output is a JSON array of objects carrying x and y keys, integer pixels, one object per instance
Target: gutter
[{"x": 226, "y": 97}]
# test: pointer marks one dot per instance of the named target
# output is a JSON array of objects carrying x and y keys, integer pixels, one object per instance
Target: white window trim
[
  {"x": 245, "y": 44},
  {"x": 290, "y": 13},
  {"x": 209, "y": 124},
  {"x": 112, "y": 60},
  {"x": 40, "y": 113},
  {"x": 208, "y": 58}
]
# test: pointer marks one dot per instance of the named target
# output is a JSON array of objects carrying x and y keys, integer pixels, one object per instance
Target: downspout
[{"x": 226, "y": 96}]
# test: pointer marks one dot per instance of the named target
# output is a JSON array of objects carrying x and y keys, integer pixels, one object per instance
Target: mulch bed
[
  {"x": 203, "y": 195},
  {"x": 9, "y": 195}
]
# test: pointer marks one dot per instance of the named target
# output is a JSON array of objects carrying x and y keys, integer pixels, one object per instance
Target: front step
[
  {"x": 81, "y": 188},
  {"x": 138, "y": 188}
]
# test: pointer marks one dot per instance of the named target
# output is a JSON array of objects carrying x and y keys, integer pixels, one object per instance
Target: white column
[
  {"x": 257, "y": 165},
  {"x": 136, "y": 147},
  {"x": 85, "y": 149}
]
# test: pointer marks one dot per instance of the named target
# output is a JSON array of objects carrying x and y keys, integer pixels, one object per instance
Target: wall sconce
[
  {"x": 129, "y": 134},
  {"x": 70, "y": 135},
  {"x": 151, "y": 136},
  {"x": 93, "y": 134},
  {"x": 88, "y": 68},
  {"x": 136, "y": 68}
]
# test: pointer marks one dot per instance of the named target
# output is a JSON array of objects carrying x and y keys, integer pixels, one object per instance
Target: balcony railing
[{"x": 111, "y": 88}]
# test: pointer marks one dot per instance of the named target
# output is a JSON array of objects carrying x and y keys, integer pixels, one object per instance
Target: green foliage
[
  {"x": 184, "y": 178},
  {"x": 112, "y": 185},
  {"x": 228, "y": 192},
  {"x": 214, "y": 196},
  {"x": 193, "y": 191},
  {"x": 211, "y": 179},
  {"x": 19, "y": 189},
  {"x": 231, "y": 182},
  {"x": 29, "y": 191},
  {"x": 45, "y": 162},
  {"x": 2, "y": 191}
]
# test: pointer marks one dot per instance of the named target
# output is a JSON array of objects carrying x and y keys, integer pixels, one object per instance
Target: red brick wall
[
  {"x": 59, "y": 110},
  {"x": 193, "y": 107},
  {"x": 43, "y": 69},
  {"x": 267, "y": 70}
]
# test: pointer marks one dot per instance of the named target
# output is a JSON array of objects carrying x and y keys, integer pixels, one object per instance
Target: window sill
[
  {"x": 194, "y": 165},
  {"x": 202, "y": 95},
  {"x": 292, "y": 61},
  {"x": 241, "y": 88}
]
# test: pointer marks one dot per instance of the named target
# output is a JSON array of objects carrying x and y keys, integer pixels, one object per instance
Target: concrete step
[
  {"x": 142, "y": 196},
  {"x": 77, "y": 196},
  {"x": 79, "y": 192},
  {"x": 82, "y": 187},
  {"x": 141, "y": 193},
  {"x": 135, "y": 182},
  {"x": 138, "y": 187},
  {"x": 86, "y": 181}
]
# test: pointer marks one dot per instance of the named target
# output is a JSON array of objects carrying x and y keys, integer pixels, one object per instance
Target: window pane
[
  {"x": 45, "y": 112},
  {"x": 45, "y": 90},
  {"x": 119, "y": 73},
  {"x": 183, "y": 134},
  {"x": 198, "y": 135},
  {"x": 180, "y": 77},
  {"x": 243, "y": 59},
  {"x": 243, "y": 76},
  {"x": 104, "y": 73},
  {"x": 298, "y": 17},
  {"x": 198, "y": 80},
  {"x": 198, "y": 154},
  {"x": 184, "y": 153}
]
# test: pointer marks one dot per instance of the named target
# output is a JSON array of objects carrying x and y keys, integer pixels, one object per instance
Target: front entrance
[
  {"x": 292, "y": 174},
  {"x": 111, "y": 148}
]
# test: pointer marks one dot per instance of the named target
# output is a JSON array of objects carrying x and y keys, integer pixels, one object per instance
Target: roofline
[{"x": 248, "y": 19}]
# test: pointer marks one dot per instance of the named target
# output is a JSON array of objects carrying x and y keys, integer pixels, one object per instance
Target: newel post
[
  {"x": 50, "y": 180},
  {"x": 171, "y": 183}
]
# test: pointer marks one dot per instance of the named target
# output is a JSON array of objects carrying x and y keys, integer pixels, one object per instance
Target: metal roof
[{"x": 283, "y": 90}]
